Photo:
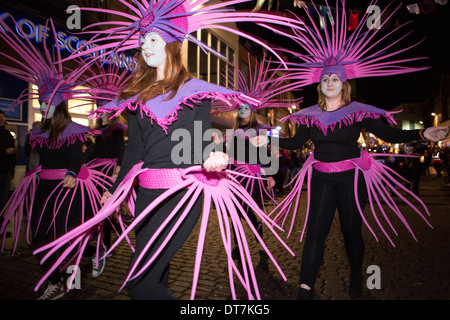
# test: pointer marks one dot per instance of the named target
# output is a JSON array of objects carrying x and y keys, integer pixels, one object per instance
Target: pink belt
[
  {"x": 160, "y": 178},
  {"x": 332, "y": 167},
  {"x": 52, "y": 174},
  {"x": 363, "y": 163},
  {"x": 254, "y": 168}
]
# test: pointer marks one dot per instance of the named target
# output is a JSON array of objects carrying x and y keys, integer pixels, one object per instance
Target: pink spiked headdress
[
  {"x": 174, "y": 20},
  {"x": 105, "y": 83},
  {"x": 356, "y": 55},
  {"x": 264, "y": 85},
  {"x": 45, "y": 70}
]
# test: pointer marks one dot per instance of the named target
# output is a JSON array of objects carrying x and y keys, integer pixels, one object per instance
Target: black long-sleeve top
[
  {"x": 6, "y": 141},
  {"x": 184, "y": 145},
  {"x": 341, "y": 143},
  {"x": 109, "y": 145},
  {"x": 68, "y": 156}
]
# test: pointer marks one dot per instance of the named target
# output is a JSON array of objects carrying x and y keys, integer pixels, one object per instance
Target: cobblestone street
[{"x": 410, "y": 271}]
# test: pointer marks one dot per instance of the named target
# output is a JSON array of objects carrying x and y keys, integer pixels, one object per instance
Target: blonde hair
[
  {"x": 143, "y": 81},
  {"x": 346, "y": 95}
]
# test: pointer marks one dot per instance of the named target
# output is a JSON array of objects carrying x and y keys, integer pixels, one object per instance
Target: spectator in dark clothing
[{"x": 7, "y": 161}]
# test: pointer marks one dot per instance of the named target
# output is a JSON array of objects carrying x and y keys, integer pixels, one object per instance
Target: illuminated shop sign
[{"x": 67, "y": 43}]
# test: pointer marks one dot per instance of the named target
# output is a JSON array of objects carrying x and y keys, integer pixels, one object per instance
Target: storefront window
[{"x": 211, "y": 68}]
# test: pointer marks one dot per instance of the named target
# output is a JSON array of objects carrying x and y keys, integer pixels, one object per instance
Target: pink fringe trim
[
  {"x": 61, "y": 142},
  {"x": 357, "y": 116},
  {"x": 189, "y": 101}
]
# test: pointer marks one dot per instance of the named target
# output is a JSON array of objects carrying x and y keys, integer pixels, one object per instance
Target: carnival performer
[
  {"x": 267, "y": 84},
  {"x": 53, "y": 195},
  {"x": 109, "y": 146},
  {"x": 164, "y": 103},
  {"x": 340, "y": 174}
]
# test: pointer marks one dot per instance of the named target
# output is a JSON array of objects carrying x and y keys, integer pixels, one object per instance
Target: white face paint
[
  {"x": 244, "y": 111},
  {"x": 153, "y": 49},
  {"x": 50, "y": 112},
  {"x": 331, "y": 86}
]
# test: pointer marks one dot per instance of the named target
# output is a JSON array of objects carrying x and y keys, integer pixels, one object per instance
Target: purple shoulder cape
[
  {"x": 71, "y": 133},
  {"x": 165, "y": 112},
  {"x": 323, "y": 120}
]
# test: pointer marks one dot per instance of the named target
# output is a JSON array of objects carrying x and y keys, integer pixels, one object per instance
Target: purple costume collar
[
  {"x": 72, "y": 132},
  {"x": 165, "y": 112},
  {"x": 323, "y": 120}
]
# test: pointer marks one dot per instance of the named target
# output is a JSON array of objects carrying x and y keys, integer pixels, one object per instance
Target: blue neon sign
[{"x": 65, "y": 42}]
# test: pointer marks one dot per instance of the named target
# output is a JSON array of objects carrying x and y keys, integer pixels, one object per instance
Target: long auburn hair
[
  {"x": 346, "y": 95},
  {"x": 143, "y": 81},
  {"x": 59, "y": 122}
]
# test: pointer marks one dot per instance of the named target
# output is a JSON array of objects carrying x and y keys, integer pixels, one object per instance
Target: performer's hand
[
  {"x": 215, "y": 138},
  {"x": 270, "y": 183},
  {"x": 436, "y": 134},
  {"x": 116, "y": 173},
  {"x": 259, "y": 141},
  {"x": 105, "y": 197},
  {"x": 217, "y": 161},
  {"x": 69, "y": 181}
]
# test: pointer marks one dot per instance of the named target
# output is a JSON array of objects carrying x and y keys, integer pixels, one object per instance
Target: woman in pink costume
[
  {"x": 341, "y": 175},
  {"x": 57, "y": 194},
  {"x": 267, "y": 83},
  {"x": 164, "y": 103}
]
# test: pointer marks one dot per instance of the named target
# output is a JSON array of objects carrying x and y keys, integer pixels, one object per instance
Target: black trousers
[
  {"x": 44, "y": 229},
  {"x": 152, "y": 284},
  {"x": 328, "y": 193}
]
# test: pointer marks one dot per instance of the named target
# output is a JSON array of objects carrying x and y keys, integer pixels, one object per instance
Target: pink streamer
[
  {"x": 378, "y": 180},
  {"x": 220, "y": 188}
]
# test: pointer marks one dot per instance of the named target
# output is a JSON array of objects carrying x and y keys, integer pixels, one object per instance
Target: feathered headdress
[
  {"x": 265, "y": 84},
  {"x": 45, "y": 70},
  {"x": 174, "y": 20},
  {"x": 357, "y": 55}
]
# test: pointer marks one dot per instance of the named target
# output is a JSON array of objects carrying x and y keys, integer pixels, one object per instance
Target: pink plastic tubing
[
  {"x": 83, "y": 231},
  {"x": 294, "y": 197},
  {"x": 20, "y": 201},
  {"x": 254, "y": 171},
  {"x": 195, "y": 187},
  {"x": 380, "y": 182},
  {"x": 226, "y": 193},
  {"x": 87, "y": 180}
]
